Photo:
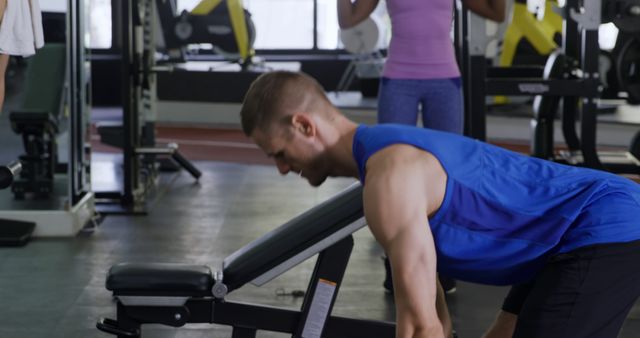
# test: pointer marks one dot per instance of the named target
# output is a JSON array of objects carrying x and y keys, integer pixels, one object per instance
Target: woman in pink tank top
[{"x": 421, "y": 73}]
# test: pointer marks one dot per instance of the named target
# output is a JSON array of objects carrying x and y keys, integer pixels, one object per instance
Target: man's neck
[{"x": 342, "y": 151}]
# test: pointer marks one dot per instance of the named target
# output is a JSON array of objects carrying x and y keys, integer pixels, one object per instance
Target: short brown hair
[{"x": 276, "y": 95}]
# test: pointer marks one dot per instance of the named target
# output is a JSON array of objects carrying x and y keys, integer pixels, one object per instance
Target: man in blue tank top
[{"x": 566, "y": 238}]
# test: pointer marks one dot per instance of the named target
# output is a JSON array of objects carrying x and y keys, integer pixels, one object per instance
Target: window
[
  {"x": 282, "y": 24},
  {"x": 186, "y": 5},
  {"x": 99, "y": 24},
  {"x": 289, "y": 24},
  {"x": 328, "y": 30},
  {"x": 58, "y": 6}
]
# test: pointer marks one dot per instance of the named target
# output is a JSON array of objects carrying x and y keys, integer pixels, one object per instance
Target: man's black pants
[{"x": 587, "y": 292}]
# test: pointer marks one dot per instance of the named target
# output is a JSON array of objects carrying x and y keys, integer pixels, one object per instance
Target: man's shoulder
[{"x": 399, "y": 156}]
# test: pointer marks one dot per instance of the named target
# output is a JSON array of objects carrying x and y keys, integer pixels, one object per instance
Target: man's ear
[{"x": 304, "y": 123}]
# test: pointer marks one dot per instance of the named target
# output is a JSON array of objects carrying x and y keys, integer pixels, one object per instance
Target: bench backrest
[
  {"x": 296, "y": 240},
  {"x": 45, "y": 79}
]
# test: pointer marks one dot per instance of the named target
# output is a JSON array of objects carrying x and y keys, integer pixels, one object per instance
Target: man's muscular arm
[{"x": 396, "y": 207}]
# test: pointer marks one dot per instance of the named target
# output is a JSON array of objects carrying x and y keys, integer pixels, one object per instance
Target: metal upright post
[
  {"x": 571, "y": 48},
  {"x": 476, "y": 41},
  {"x": 589, "y": 117},
  {"x": 135, "y": 38},
  {"x": 148, "y": 111},
  {"x": 77, "y": 69},
  {"x": 589, "y": 20},
  {"x": 477, "y": 106},
  {"x": 129, "y": 104}
]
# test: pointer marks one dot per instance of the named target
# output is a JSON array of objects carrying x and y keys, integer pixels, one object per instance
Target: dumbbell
[{"x": 8, "y": 172}]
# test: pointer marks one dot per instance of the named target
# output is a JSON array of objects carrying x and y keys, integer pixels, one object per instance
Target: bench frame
[{"x": 312, "y": 320}]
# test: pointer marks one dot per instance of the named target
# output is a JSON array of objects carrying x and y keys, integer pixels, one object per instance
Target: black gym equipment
[
  {"x": 625, "y": 14},
  {"x": 481, "y": 81},
  {"x": 54, "y": 113},
  {"x": 628, "y": 67},
  {"x": 625, "y": 56},
  {"x": 37, "y": 120},
  {"x": 626, "y": 59},
  {"x": 545, "y": 109},
  {"x": 178, "y": 294},
  {"x": 135, "y": 133},
  {"x": 571, "y": 73},
  {"x": 225, "y": 24}
]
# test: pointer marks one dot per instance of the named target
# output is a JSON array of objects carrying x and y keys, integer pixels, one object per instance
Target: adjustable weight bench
[
  {"x": 38, "y": 119},
  {"x": 177, "y": 294}
]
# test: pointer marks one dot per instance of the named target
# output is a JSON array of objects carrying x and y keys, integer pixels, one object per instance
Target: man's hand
[{"x": 443, "y": 312}]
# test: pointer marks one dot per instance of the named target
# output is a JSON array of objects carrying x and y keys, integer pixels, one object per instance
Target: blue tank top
[{"x": 504, "y": 213}]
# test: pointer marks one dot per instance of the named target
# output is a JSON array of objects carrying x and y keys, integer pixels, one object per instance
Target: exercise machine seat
[
  {"x": 160, "y": 279},
  {"x": 38, "y": 118},
  {"x": 33, "y": 122},
  {"x": 44, "y": 89}
]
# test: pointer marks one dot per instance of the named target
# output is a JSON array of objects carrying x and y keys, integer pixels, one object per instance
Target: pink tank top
[{"x": 421, "y": 45}]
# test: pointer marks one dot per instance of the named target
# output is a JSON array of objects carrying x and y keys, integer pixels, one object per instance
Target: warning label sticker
[{"x": 319, "y": 309}]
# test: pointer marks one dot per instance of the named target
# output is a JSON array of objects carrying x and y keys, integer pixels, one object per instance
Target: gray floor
[{"x": 55, "y": 288}]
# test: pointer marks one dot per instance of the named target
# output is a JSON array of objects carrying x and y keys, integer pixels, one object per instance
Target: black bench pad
[
  {"x": 160, "y": 279},
  {"x": 38, "y": 120},
  {"x": 293, "y": 237}
]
